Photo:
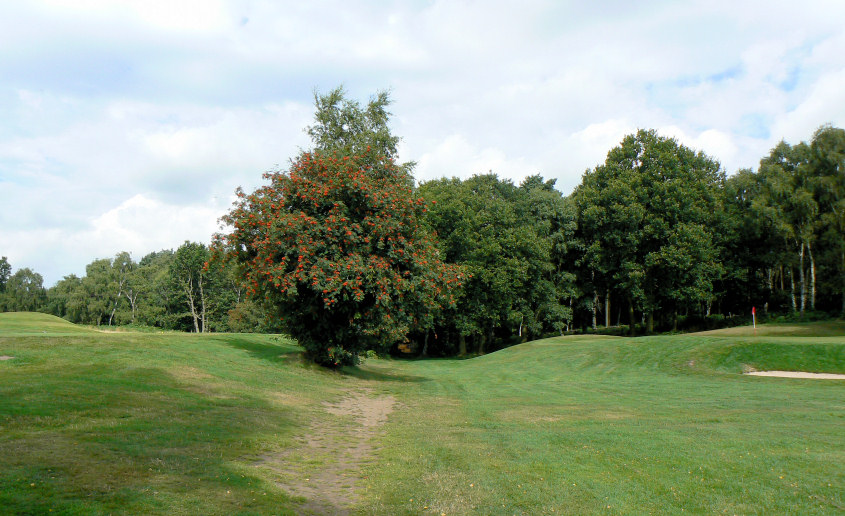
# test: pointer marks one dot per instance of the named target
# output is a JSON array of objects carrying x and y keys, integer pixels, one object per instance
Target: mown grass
[{"x": 94, "y": 423}]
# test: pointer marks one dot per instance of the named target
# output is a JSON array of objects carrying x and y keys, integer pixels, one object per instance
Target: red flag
[{"x": 753, "y": 310}]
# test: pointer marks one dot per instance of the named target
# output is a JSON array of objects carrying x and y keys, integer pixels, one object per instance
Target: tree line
[
  {"x": 171, "y": 290},
  {"x": 343, "y": 251}
]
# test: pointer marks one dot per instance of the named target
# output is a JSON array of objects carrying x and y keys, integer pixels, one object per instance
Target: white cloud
[
  {"x": 114, "y": 112},
  {"x": 177, "y": 16},
  {"x": 824, "y": 103},
  {"x": 142, "y": 224},
  {"x": 139, "y": 225},
  {"x": 456, "y": 157}
]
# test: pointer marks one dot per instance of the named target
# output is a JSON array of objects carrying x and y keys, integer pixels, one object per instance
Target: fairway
[{"x": 169, "y": 423}]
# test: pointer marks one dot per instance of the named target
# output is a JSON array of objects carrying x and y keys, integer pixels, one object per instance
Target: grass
[{"x": 125, "y": 423}]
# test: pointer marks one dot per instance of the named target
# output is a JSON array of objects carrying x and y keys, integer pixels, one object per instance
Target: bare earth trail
[{"x": 324, "y": 467}]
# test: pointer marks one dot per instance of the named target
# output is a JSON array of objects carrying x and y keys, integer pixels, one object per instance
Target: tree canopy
[
  {"x": 344, "y": 253},
  {"x": 647, "y": 217},
  {"x": 335, "y": 246}
]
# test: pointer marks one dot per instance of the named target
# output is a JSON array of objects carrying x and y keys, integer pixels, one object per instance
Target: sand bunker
[
  {"x": 5, "y": 357},
  {"x": 798, "y": 374}
]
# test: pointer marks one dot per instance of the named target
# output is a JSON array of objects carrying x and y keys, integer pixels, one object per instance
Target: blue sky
[{"x": 128, "y": 125}]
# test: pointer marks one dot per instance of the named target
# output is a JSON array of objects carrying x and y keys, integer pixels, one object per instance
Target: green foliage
[
  {"x": 250, "y": 316},
  {"x": 656, "y": 230},
  {"x": 647, "y": 219},
  {"x": 335, "y": 246},
  {"x": 24, "y": 292},
  {"x": 791, "y": 249},
  {"x": 188, "y": 272},
  {"x": 5, "y": 272},
  {"x": 156, "y": 292},
  {"x": 513, "y": 242},
  {"x": 343, "y": 127}
]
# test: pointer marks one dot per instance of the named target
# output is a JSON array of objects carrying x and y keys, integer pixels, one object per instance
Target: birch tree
[{"x": 187, "y": 272}]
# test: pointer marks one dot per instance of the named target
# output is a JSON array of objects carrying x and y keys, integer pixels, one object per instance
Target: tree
[
  {"x": 345, "y": 128},
  {"x": 99, "y": 290},
  {"x": 646, "y": 219},
  {"x": 788, "y": 202},
  {"x": 5, "y": 272},
  {"x": 752, "y": 248},
  {"x": 24, "y": 291},
  {"x": 157, "y": 305},
  {"x": 67, "y": 298},
  {"x": 510, "y": 240},
  {"x": 827, "y": 162},
  {"x": 188, "y": 271},
  {"x": 334, "y": 245},
  {"x": 122, "y": 269}
]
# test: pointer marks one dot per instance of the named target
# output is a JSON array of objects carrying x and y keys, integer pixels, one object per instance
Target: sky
[{"x": 127, "y": 126}]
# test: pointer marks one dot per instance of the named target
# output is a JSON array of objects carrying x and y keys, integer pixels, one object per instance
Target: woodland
[{"x": 345, "y": 252}]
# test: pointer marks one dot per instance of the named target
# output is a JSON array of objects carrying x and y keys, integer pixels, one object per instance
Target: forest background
[{"x": 656, "y": 238}]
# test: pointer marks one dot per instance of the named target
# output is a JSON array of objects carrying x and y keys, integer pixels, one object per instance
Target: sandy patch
[
  {"x": 5, "y": 357},
  {"x": 798, "y": 374},
  {"x": 325, "y": 466}
]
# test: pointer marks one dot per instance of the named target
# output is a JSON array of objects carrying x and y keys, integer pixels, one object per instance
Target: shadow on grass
[
  {"x": 288, "y": 353},
  {"x": 380, "y": 376},
  {"x": 93, "y": 439},
  {"x": 279, "y": 353}
]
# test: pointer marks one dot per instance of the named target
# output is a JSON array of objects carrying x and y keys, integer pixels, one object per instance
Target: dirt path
[
  {"x": 798, "y": 374},
  {"x": 325, "y": 466}
]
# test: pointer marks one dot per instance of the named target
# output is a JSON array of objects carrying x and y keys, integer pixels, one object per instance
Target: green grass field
[{"x": 146, "y": 423}]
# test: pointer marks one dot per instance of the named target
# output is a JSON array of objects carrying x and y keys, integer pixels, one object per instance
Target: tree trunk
[
  {"x": 202, "y": 305},
  {"x": 633, "y": 323},
  {"x": 595, "y": 304},
  {"x": 189, "y": 290},
  {"x": 770, "y": 286},
  {"x": 812, "y": 277},
  {"x": 801, "y": 279},
  {"x": 650, "y": 328},
  {"x": 675, "y": 320},
  {"x": 462, "y": 345},
  {"x": 132, "y": 296},
  {"x": 792, "y": 290},
  {"x": 607, "y": 308},
  {"x": 425, "y": 345}
]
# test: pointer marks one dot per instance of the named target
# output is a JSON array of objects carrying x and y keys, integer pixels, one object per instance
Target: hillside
[
  {"x": 97, "y": 423},
  {"x": 33, "y": 323}
]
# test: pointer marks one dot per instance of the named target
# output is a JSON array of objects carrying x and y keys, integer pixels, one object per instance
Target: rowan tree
[{"x": 334, "y": 245}]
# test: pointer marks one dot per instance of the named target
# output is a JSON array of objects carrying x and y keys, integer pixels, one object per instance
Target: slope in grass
[
  {"x": 33, "y": 323},
  {"x": 661, "y": 425},
  {"x": 96, "y": 423}
]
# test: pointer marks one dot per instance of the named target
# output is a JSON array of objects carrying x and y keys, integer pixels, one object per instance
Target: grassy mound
[
  {"x": 98, "y": 423},
  {"x": 34, "y": 323}
]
